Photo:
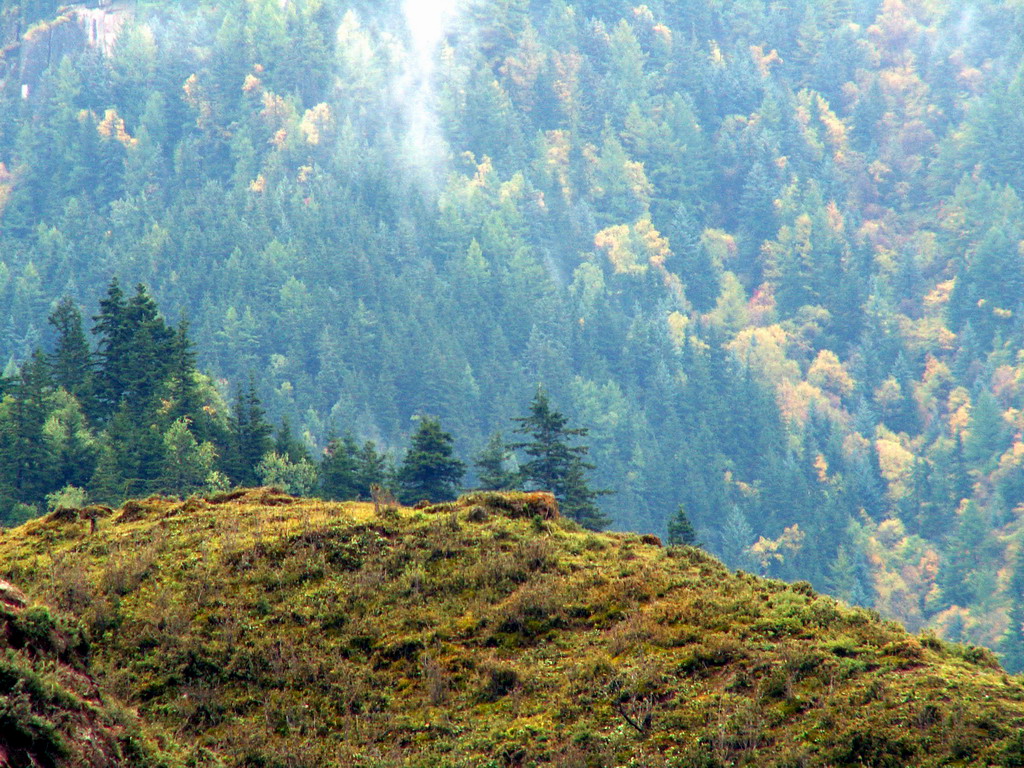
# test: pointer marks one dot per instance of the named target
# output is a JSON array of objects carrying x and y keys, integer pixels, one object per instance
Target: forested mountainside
[
  {"x": 265, "y": 630},
  {"x": 770, "y": 255}
]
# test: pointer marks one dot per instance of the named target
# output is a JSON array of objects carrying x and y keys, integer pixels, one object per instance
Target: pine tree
[
  {"x": 579, "y": 500},
  {"x": 286, "y": 444},
  {"x": 430, "y": 469},
  {"x": 112, "y": 328},
  {"x": 736, "y": 536},
  {"x": 846, "y": 578},
  {"x": 72, "y": 445},
  {"x": 988, "y": 434},
  {"x": 556, "y": 466},
  {"x": 182, "y": 391},
  {"x": 132, "y": 459},
  {"x": 964, "y": 557}
]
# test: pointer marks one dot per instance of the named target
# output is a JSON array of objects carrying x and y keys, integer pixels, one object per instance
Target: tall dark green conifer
[
  {"x": 430, "y": 469},
  {"x": 250, "y": 437},
  {"x": 492, "y": 464},
  {"x": 1012, "y": 643},
  {"x": 555, "y": 465},
  {"x": 71, "y": 362},
  {"x": 25, "y": 460},
  {"x": 681, "y": 530},
  {"x": 136, "y": 350},
  {"x": 339, "y": 470}
]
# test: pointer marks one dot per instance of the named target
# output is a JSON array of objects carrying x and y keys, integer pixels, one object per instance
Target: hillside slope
[
  {"x": 281, "y": 632},
  {"x": 52, "y": 714}
]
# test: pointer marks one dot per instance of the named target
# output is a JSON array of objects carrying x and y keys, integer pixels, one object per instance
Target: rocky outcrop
[{"x": 46, "y": 43}]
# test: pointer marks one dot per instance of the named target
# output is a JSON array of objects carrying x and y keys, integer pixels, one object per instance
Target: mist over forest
[{"x": 770, "y": 256}]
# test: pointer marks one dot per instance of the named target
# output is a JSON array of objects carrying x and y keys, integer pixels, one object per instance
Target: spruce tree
[
  {"x": 492, "y": 464},
  {"x": 286, "y": 444},
  {"x": 182, "y": 390},
  {"x": 72, "y": 445},
  {"x": 681, "y": 530},
  {"x": 430, "y": 470},
  {"x": 1012, "y": 643},
  {"x": 249, "y": 439},
  {"x": 136, "y": 350},
  {"x": 112, "y": 328},
  {"x": 187, "y": 463},
  {"x": 555, "y": 465},
  {"x": 373, "y": 468},
  {"x": 339, "y": 470},
  {"x": 71, "y": 364},
  {"x": 27, "y": 460}
]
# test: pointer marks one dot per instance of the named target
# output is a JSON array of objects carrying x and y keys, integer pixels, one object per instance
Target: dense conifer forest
[{"x": 769, "y": 256}]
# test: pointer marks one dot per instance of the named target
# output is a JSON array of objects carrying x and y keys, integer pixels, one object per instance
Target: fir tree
[
  {"x": 846, "y": 578},
  {"x": 1012, "y": 643},
  {"x": 286, "y": 444},
  {"x": 136, "y": 350},
  {"x": 556, "y": 466},
  {"x": 71, "y": 361},
  {"x": 187, "y": 463},
  {"x": 373, "y": 468},
  {"x": 26, "y": 463},
  {"x": 249, "y": 437},
  {"x": 182, "y": 391},
  {"x": 430, "y": 470},
  {"x": 493, "y": 471},
  {"x": 681, "y": 530},
  {"x": 339, "y": 470},
  {"x": 73, "y": 447}
]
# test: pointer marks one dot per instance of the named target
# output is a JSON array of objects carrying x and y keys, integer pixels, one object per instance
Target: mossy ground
[
  {"x": 52, "y": 714},
  {"x": 280, "y": 632}
]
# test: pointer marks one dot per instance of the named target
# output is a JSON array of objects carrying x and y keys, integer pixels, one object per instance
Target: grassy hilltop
[{"x": 264, "y": 630}]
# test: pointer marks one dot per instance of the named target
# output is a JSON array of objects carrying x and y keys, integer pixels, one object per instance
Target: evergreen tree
[
  {"x": 579, "y": 500},
  {"x": 136, "y": 350},
  {"x": 964, "y": 558},
  {"x": 286, "y": 444},
  {"x": 681, "y": 530},
  {"x": 1012, "y": 643},
  {"x": 339, "y": 470},
  {"x": 72, "y": 445},
  {"x": 493, "y": 471},
  {"x": 132, "y": 459},
  {"x": 988, "y": 434},
  {"x": 554, "y": 464},
  {"x": 430, "y": 469},
  {"x": 182, "y": 391},
  {"x": 26, "y": 463},
  {"x": 846, "y": 578},
  {"x": 249, "y": 437},
  {"x": 373, "y": 468},
  {"x": 736, "y": 537},
  {"x": 71, "y": 361},
  {"x": 298, "y": 478},
  {"x": 187, "y": 463}
]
